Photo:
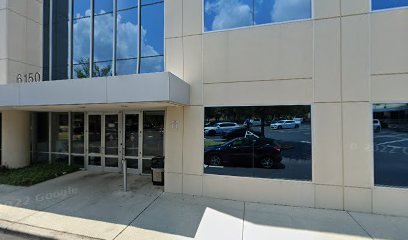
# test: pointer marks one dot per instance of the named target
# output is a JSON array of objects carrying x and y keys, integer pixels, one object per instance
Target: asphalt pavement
[{"x": 391, "y": 158}]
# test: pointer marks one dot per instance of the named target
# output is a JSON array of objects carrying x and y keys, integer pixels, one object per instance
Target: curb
[{"x": 37, "y": 233}]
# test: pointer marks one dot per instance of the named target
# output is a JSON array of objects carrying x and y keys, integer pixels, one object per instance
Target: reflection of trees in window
[
  {"x": 82, "y": 69},
  {"x": 264, "y": 113},
  {"x": 139, "y": 49}
]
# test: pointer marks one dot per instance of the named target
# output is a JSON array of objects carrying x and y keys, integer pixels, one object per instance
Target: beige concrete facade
[
  {"x": 340, "y": 62},
  {"x": 20, "y": 52}
]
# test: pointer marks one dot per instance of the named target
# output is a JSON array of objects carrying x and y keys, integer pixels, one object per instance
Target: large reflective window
[
  {"x": 60, "y": 39},
  {"x": 384, "y": 4},
  {"x": 390, "y": 127},
  {"x": 127, "y": 40},
  {"x": 262, "y": 142},
  {"x": 138, "y": 49},
  {"x": 46, "y": 40},
  {"x": 81, "y": 26},
  {"x": 103, "y": 38},
  {"x": 227, "y": 14},
  {"x": 153, "y": 133},
  {"x": 125, "y": 4},
  {"x": 81, "y": 8},
  {"x": 152, "y": 35}
]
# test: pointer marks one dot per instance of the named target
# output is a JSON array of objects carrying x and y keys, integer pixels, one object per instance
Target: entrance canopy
[{"x": 156, "y": 89}]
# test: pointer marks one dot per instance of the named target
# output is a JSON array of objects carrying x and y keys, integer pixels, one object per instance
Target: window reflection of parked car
[
  {"x": 256, "y": 122},
  {"x": 219, "y": 128},
  {"x": 244, "y": 152},
  {"x": 284, "y": 124},
  {"x": 235, "y": 133},
  {"x": 376, "y": 125},
  {"x": 298, "y": 120}
]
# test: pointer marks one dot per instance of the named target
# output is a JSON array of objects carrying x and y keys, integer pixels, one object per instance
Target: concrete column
[
  {"x": 173, "y": 167},
  {"x": 15, "y": 139}
]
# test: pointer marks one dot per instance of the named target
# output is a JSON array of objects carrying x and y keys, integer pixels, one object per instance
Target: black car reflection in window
[{"x": 245, "y": 152}]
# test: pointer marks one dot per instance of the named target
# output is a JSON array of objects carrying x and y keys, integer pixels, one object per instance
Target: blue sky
[
  {"x": 127, "y": 25},
  {"x": 383, "y": 4},
  {"x": 224, "y": 14}
]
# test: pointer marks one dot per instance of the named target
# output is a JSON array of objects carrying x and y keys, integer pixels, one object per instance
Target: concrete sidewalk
[{"x": 86, "y": 205}]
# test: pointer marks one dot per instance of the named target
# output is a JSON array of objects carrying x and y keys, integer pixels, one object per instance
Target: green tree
[{"x": 82, "y": 69}]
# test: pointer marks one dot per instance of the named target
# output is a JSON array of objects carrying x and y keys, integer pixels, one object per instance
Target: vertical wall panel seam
[{"x": 341, "y": 100}]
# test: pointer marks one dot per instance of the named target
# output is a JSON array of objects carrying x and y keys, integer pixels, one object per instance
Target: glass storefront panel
[
  {"x": 390, "y": 127},
  {"x": 153, "y": 133},
  {"x": 40, "y": 137},
  {"x": 262, "y": 142},
  {"x": 95, "y": 161},
  {"x": 59, "y": 133},
  {"x": 147, "y": 166},
  {"x": 111, "y": 162},
  {"x": 77, "y": 132},
  {"x": 77, "y": 161},
  {"x": 60, "y": 158},
  {"x": 111, "y": 135},
  {"x": 95, "y": 133},
  {"x": 132, "y": 163},
  {"x": 132, "y": 135}
]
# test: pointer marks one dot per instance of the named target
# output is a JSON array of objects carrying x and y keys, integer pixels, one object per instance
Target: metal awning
[{"x": 158, "y": 89}]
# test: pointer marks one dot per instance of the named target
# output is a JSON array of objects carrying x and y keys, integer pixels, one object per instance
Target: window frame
[
  {"x": 71, "y": 18},
  {"x": 253, "y": 25},
  {"x": 384, "y": 9}
]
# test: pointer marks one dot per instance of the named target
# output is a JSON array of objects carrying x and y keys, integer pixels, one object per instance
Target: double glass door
[{"x": 111, "y": 138}]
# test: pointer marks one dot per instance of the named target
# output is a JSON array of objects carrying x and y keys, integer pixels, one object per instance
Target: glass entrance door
[
  {"x": 103, "y": 135},
  {"x": 130, "y": 136},
  {"x": 132, "y": 142}
]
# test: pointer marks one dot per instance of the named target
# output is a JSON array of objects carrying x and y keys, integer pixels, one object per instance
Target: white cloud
[
  {"x": 229, "y": 14},
  {"x": 103, "y": 39},
  {"x": 285, "y": 10}
]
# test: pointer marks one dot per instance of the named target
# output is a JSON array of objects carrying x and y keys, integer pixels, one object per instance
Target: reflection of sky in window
[
  {"x": 383, "y": 4},
  {"x": 127, "y": 34},
  {"x": 81, "y": 8},
  {"x": 152, "y": 25},
  {"x": 225, "y": 14},
  {"x": 124, "y": 4},
  {"x": 103, "y": 37},
  {"x": 103, "y": 6}
]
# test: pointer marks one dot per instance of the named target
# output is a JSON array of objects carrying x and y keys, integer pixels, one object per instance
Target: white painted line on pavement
[{"x": 403, "y": 140}]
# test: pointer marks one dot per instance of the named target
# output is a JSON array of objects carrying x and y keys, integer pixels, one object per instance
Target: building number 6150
[{"x": 29, "y": 78}]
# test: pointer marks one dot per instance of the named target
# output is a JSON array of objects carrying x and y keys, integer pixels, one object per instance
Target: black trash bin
[{"x": 158, "y": 171}]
